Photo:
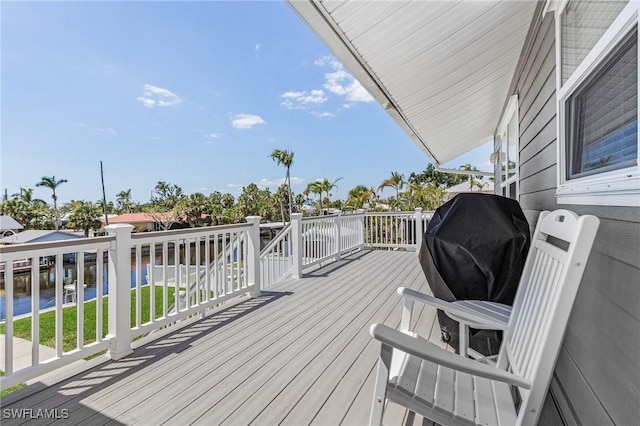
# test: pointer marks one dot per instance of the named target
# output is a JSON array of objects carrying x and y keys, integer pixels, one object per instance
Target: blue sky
[{"x": 193, "y": 93}]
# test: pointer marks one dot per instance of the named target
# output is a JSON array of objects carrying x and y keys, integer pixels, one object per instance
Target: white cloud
[
  {"x": 278, "y": 182},
  {"x": 325, "y": 114},
  {"x": 98, "y": 129},
  {"x": 246, "y": 121},
  {"x": 298, "y": 100},
  {"x": 328, "y": 61},
  {"x": 337, "y": 82},
  {"x": 258, "y": 47},
  {"x": 213, "y": 135},
  {"x": 153, "y": 96},
  {"x": 234, "y": 185},
  {"x": 342, "y": 83},
  {"x": 109, "y": 130}
]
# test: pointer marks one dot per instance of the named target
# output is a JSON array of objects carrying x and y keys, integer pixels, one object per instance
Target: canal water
[{"x": 22, "y": 297}]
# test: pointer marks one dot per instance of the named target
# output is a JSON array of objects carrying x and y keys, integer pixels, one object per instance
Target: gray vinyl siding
[{"x": 597, "y": 378}]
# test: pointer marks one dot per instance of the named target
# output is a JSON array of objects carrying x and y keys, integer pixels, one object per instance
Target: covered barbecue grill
[{"x": 474, "y": 248}]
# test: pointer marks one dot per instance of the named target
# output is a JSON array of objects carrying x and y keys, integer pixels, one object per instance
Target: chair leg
[
  {"x": 463, "y": 339},
  {"x": 407, "y": 310},
  {"x": 380, "y": 390}
]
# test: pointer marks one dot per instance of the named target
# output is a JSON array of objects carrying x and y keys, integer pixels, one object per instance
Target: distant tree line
[{"x": 169, "y": 205}]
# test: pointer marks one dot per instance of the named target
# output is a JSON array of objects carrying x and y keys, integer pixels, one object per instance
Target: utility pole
[{"x": 104, "y": 197}]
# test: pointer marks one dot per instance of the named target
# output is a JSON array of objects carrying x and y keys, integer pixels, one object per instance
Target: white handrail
[
  {"x": 395, "y": 230},
  {"x": 276, "y": 259}
]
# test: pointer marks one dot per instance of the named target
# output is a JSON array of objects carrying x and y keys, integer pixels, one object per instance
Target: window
[
  {"x": 508, "y": 155},
  {"x": 598, "y": 103}
]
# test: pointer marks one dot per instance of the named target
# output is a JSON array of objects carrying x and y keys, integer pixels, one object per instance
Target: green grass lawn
[{"x": 22, "y": 327}]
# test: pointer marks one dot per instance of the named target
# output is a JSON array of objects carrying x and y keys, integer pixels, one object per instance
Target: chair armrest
[
  {"x": 462, "y": 314},
  {"x": 430, "y": 352}
]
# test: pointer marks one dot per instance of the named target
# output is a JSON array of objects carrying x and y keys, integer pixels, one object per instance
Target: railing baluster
[
  {"x": 151, "y": 282},
  {"x": 99, "y": 295},
  {"x": 165, "y": 280},
  {"x": 8, "y": 325},
  {"x": 59, "y": 302},
  {"x": 207, "y": 255},
  {"x": 138, "y": 307},
  {"x": 80, "y": 299},
  {"x": 177, "y": 281},
  {"x": 187, "y": 272},
  {"x": 35, "y": 310},
  {"x": 197, "y": 272}
]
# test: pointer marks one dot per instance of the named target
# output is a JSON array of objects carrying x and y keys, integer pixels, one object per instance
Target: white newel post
[
  {"x": 338, "y": 235},
  {"x": 419, "y": 230},
  {"x": 297, "y": 251},
  {"x": 253, "y": 280},
  {"x": 360, "y": 212},
  {"x": 120, "y": 291}
]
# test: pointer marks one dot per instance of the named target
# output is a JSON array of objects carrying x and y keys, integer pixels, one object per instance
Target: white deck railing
[
  {"x": 31, "y": 362},
  {"x": 216, "y": 264},
  {"x": 214, "y": 282},
  {"x": 276, "y": 259},
  {"x": 213, "y": 262},
  {"x": 395, "y": 229},
  {"x": 329, "y": 237}
]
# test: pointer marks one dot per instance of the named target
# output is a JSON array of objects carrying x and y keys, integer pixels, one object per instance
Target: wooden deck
[{"x": 299, "y": 354}]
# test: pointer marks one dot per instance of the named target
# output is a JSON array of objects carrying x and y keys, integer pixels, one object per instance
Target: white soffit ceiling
[{"x": 441, "y": 69}]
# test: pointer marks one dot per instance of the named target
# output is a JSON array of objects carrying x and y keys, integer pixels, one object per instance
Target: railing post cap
[
  {"x": 118, "y": 228},
  {"x": 296, "y": 216},
  {"x": 253, "y": 219},
  {"x": 418, "y": 209},
  {"x": 360, "y": 211}
]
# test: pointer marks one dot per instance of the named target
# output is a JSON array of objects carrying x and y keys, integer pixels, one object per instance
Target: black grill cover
[{"x": 475, "y": 247}]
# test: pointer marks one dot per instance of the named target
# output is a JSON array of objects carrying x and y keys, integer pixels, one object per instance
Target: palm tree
[
  {"x": 85, "y": 217},
  {"x": 428, "y": 196},
  {"x": 167, "y": 195},
  {"x": 123, "y": 198},
  {"x": 326, "y": 186},
  {"x": 315, "y": 188},
  {"x": 395, "y": 181},
  {"x": 359, "y": 197},
  {"x": 26, "y": 196},
  {"x": 467, "y": 167},
  {"x": 285, "y": 157},
  {"x": 52, "y": 184},
  {"x": 194, "y": 207}
]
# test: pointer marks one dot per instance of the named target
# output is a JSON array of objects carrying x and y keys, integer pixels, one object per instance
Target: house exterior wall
[{"x": 597, "y": 378}]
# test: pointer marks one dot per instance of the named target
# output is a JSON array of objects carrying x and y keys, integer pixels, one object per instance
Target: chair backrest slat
[{"x": 559, "y": 251}]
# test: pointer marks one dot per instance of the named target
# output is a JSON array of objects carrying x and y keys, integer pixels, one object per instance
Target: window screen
[
  {"x": 583, "y": 23},
  {"x": 603, "y": 115}
]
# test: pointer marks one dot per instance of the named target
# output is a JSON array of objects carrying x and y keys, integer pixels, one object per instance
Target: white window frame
[
  {"x": 510, "y": 113},
  {"x": 617, "y": 187}
]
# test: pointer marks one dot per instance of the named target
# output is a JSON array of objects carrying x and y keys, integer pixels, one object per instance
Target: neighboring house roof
[
  {"x": 7, "y": 223},
  {"x": 441, "y": 70},
  {"x": 139, "y": 217},
  {"x": 34, "y": 236}
]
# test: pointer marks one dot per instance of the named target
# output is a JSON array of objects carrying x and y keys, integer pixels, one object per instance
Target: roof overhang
[{"x": 441, "y": 69}]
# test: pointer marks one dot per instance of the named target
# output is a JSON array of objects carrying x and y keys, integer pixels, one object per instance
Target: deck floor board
[{"x": 299, "y": 354}]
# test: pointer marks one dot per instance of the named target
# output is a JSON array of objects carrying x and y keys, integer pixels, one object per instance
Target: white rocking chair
[{"x": 452, "y": 389}]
